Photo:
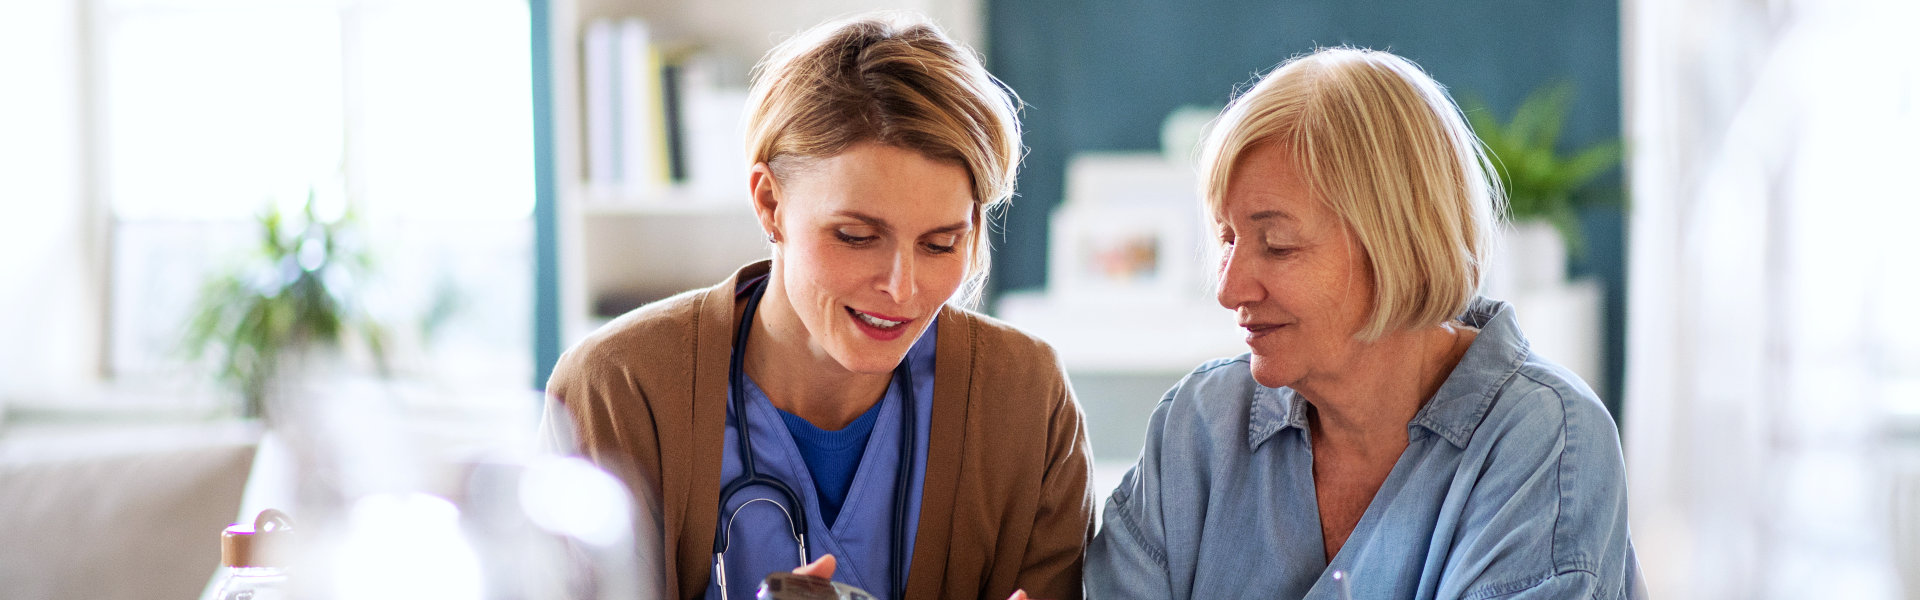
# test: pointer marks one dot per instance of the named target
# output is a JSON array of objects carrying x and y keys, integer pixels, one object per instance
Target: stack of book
[{"x": 659, "y": 116}]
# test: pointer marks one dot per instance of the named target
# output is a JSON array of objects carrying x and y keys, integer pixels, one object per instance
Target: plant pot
[{"x": 1529, "y": 255}]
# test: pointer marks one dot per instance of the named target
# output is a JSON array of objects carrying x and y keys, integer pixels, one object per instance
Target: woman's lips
[
  {"x": 878, "y": 326},
  {"x": 1258, "y": 330}
]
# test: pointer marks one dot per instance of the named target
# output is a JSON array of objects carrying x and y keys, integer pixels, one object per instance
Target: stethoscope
[{"x": 750, "y": 473}]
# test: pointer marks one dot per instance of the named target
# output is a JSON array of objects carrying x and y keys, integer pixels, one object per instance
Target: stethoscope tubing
[{"x": 750, "y": 473}]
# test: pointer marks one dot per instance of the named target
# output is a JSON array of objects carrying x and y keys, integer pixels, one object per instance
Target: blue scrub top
[{"x": 861, "y": 538}]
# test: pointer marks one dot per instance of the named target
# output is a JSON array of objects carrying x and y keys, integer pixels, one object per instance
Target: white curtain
[
  {"x": 51, "y": 228},
  {"x": 1773, "y": 372}
]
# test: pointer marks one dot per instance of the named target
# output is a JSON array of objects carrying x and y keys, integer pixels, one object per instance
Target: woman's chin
[
  {"x": 1271, "y": 372},
  {"x": 869, "y": 361}
]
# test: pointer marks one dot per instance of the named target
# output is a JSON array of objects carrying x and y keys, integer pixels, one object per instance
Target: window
[{"x": 413, "y": 114}]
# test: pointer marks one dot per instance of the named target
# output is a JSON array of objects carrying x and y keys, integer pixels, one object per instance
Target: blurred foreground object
[
  {"x": 251, "y": 569},
  {"x": 781, "y": 585},
  {"x": 435, "y": 495},
  {"x": 1773, "y": 349}
]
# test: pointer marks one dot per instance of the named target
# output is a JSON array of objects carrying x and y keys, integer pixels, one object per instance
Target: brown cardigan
[{"x": 1005, "y": 505}]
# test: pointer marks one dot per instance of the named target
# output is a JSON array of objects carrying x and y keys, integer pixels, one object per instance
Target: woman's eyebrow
[
  {"x": 881, "y": 224},
  {"x": 1271, "y": 214},
  {"x": 956, "y": 226},
  {"x": 870, "y": 220}
]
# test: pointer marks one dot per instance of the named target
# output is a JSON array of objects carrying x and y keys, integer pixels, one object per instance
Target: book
[
  {"x": 598, "y": 69},
  {"x": 641, "y": 124}
]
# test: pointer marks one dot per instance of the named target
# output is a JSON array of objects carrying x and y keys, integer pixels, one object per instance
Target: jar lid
[{"x": 260, "y": 545}]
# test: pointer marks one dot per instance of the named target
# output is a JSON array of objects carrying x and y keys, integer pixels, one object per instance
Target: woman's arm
[
  {"x": 1063, "y": 523},
  {"x": 1128, "y": 558},
  {"x": 595, "y": 410},
  {"x": 556, "y": 429},
  {"x": 1547, "y": 517}
]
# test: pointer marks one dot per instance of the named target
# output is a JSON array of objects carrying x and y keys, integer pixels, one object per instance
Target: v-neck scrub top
[
  {"x": 1001, "y": 502},
  {"x": 1512, "y": 486},
  {"x": 832, "y": 456},
  {"x": 861, "y": 537}
]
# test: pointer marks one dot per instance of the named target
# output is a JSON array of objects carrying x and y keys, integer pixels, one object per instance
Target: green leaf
[
  {"x": 1538, "y": 119},
  {"x": 1538, "y": 181},
  {"x": 251, "y": 330}
]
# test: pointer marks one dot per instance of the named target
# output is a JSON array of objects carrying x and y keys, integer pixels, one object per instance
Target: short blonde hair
[
  {"x": 1388, "y": 152},
  {"x": 892, "y": 78}
]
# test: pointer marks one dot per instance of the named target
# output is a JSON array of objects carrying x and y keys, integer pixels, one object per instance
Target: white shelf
[
  {"x": 1145, "y": 336},
  {"x": 666, "y": 201},
  {"x": 635, "y": 253}
]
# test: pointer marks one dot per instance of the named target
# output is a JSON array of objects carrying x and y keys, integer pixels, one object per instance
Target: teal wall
[
  {"x": 546, "y": 243},
  {"x": 1100, "y": 75}
]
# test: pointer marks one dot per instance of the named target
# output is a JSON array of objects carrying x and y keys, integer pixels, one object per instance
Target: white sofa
[{"x": 116, "y": 511}]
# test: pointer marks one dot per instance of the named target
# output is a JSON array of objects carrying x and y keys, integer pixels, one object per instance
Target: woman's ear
[
  {"x": 977, "y": 238},
  {"x": 766, "y": 194}
]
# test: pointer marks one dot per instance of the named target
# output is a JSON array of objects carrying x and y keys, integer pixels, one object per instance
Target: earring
[{"x": 771, "y": 239}]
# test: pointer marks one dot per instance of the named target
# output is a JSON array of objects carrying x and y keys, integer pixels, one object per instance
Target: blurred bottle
[
  {"x": 781, "y": 585},
  {"x": 250, "y": 558},
  {"x": 407, "y": 490}
]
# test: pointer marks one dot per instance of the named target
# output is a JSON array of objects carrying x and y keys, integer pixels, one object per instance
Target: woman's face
[
  {"x": 872, "y": 243},
  {"x": 1291, "y": 270}
]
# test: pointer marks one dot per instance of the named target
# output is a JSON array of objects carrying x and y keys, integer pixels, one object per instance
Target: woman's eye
[
  {"x": 941, "y": 244},
  {"x": 1279, "y": 252},
  {"x": 851, "y": 238}
]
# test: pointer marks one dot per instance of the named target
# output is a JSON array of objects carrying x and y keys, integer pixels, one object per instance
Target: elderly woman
[
  {"x": 834, "y": 401},
  {"x": 1390, "y": 433}
]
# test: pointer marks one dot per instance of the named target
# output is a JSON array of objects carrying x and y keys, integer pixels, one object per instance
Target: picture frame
[{"x": 1129, "y": 231}]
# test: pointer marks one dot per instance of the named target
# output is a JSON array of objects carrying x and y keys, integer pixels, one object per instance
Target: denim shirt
[{"x": 1511, "y": 486}]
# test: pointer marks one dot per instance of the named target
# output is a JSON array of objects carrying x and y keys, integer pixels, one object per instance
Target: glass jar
[{"x": 250, "y": 559}]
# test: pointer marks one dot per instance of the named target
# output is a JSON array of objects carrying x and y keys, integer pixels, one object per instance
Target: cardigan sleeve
[
  {"x": 1063, "y": 523},
  {"x": 604, "y": 403},
  {"x": 612, "y": 428},
  {"x": 556, "y": 429}
]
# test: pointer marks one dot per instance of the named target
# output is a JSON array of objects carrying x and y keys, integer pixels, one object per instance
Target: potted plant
[
  {"x": 1544, "y": 189},
  {"x": 293, "y": 296}
]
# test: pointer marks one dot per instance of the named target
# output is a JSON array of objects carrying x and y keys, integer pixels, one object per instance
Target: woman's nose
[
  {"x": 1237, "y": 287},
  {"x": 900, "y": 283}
]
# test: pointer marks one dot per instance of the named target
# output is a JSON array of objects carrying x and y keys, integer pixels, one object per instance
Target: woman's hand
[{"x": 823, "y": 568}]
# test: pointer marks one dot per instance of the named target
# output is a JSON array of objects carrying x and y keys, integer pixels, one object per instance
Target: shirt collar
[
  {"x": 920, "y": 356},
  {"x": 1454, "y": 411},
  {"x": 1274, "y": 409}
]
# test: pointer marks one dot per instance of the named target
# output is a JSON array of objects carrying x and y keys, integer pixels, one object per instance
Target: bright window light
[
  {"x": 215, "y": 108},
  {"x": 416, "y": 114},
  {"x": 209, "y": 114},
  {"x": 447, "y": 111}
]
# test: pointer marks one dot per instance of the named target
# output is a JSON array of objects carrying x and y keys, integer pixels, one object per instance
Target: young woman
[{"x": 833, "y": 400}]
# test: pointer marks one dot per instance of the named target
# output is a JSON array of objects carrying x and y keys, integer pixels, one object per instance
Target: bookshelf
[{"x": 622, "y": 243}]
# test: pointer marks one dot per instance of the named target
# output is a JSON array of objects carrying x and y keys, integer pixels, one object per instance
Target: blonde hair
[
  {"x": 1388, "y": 152},
  {"x": 891, "y": 78}
]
